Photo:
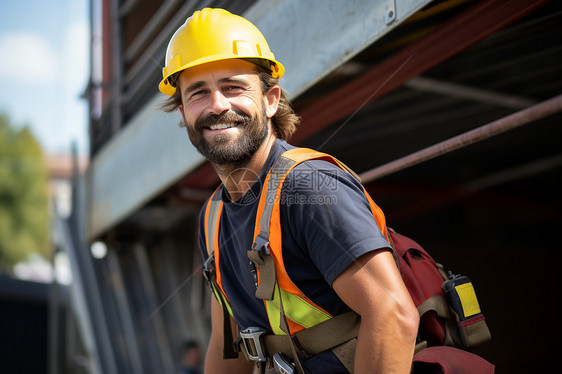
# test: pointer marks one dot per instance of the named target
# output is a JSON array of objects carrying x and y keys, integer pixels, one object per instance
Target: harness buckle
[
  {"x": 252, "y": 343},
  {"x": 261, "y": 245},
  {"x": 208, "y": 268},
  {"x": 282, "y": 364}
]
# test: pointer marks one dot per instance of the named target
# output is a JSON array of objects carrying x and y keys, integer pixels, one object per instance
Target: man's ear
[
  {"x": 184, "y": 122},
  {"x": 272, "y": 98}
]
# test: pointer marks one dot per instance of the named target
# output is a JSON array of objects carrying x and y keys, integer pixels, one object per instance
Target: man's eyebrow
[
  {"x": 240, "y": 81},
  {"x": 194, "y": 86}
]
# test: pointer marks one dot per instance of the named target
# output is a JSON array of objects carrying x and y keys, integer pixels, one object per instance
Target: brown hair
[{"x": 285, "y": 120}]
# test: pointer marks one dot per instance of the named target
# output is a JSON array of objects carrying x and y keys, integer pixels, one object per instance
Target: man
[
  {"x": 191, "y": 358},
  {"x": 223, "y": 79}
]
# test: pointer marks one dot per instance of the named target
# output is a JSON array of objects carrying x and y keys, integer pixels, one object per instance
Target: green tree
[{"x": 24, "y": 210}]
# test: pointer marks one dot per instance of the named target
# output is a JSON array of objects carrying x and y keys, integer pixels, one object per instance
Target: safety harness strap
[
  {"x": 266, "y": 267},
  {"x": 338, "y": 333},
  {"x": 346, "y": 354},
  {"x": 212, "y": 221},
  {"x": 229, "y": 349},
  {"x": 331, "y": 334},
  {"x": 276, "y": 176},
  {"x": 260, "y": 254},
  {"x": 284, "y": 325},
  {"x": 261, "y": 249}
]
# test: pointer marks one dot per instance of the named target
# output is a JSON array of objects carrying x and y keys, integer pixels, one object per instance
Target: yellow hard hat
[{"x": 212, "y": 35}]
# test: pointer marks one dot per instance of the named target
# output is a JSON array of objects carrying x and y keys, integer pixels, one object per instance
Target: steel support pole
[
  {"x": 125, "y": 316},
  {"x": 116, "y": 69},
  {"x": 515, "y": 120},
  {"x": 155, "y": 319}
]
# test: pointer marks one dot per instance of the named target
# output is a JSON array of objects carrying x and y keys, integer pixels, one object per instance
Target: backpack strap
[{"x": 438, "y": 304}]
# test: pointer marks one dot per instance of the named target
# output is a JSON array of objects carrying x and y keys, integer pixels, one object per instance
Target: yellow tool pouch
[{"x": 464, "y": 306}]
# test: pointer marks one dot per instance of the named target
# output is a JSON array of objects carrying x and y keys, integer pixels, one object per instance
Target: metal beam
[
  {"x": 151, "y": 53},
  {"x": 93, "y": 334},
  {"x": 436, "y": 197},
  {"x": 127, "y": 7},
  {"x": 147, "y": 156},
  {"x": 476, "y": 23},
  {"x": 155, "y": 22},
  {"x": 155, "y": 318},
  {"x": 513, "y": 121},
  {"x": 124, "y": 311},
  {"x": 85, "y": 293},
  {"x": 312, "y": 38},
  {"x": 509, "y": 175},
  {"x": 116, "y": 68},
  {"x": 471, "y": 93}
]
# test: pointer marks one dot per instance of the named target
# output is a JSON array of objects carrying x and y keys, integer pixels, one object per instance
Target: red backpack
[{"x": 449, "y": 312}]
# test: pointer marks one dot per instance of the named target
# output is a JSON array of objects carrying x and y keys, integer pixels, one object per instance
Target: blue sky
[{"x": 44, "y": 68}]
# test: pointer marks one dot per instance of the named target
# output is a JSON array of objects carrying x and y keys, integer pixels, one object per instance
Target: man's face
[{"x": 224, "y": 110}]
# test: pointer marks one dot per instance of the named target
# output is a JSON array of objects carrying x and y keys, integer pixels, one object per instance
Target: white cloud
[
  {"x": 27, "y": 57},
  {"x": 76, "y": 52},
  {"x": 51, "y": 71},
  {"x": 74, "y": 78}
]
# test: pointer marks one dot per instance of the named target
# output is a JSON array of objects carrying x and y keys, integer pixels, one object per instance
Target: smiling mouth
[{"x": 222, "y": 126}]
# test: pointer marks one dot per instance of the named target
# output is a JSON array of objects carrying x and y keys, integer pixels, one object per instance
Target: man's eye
[
  {"x": 197, "y": 94},
  {"x": 233, "y": 88}
]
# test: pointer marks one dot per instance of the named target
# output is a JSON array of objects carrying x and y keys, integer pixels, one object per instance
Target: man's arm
[
  {"x": 214, "y": 363},
  {"x": 373, "y": 287}
]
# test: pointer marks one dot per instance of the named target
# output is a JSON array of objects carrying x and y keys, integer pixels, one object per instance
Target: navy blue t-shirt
[{"x": 326, "y": 224}]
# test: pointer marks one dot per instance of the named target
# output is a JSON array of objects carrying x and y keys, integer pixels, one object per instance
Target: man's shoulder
[
  {"x": 321, "y": 174},
  {"x": 314, "y": 165}
]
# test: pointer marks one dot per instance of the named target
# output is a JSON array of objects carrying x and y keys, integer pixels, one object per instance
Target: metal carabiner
[
  {"x": 282, "y": 364},
  {"x": 252, "y": 343}
]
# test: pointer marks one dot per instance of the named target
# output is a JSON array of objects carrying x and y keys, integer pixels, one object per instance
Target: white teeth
[{"x": 221, "y": 126}]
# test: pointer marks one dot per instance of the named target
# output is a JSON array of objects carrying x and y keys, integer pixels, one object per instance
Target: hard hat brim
[{"x": 277, "y": 69}]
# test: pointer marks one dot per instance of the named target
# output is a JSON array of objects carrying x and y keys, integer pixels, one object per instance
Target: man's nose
[{"x": 219, "y": 103}]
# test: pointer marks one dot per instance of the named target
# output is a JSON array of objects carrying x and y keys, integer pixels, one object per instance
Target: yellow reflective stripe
[
  {"x": 301, "y": 312},
  {"x": 220, "y": 298},
  {"x": 296, "y": 309}
]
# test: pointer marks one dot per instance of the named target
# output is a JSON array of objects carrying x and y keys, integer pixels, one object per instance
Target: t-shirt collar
[{"x": 253, "y": 193}]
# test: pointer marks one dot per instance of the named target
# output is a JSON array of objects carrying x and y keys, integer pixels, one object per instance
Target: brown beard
[{"x": 222, "y": 152}]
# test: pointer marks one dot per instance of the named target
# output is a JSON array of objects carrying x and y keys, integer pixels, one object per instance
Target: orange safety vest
[{"x": 283, "y": 300}]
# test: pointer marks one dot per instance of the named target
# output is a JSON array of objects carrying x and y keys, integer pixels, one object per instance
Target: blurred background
[
  {"x": 448, "y": 109},
  {"x": 44, "y": 72}
]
